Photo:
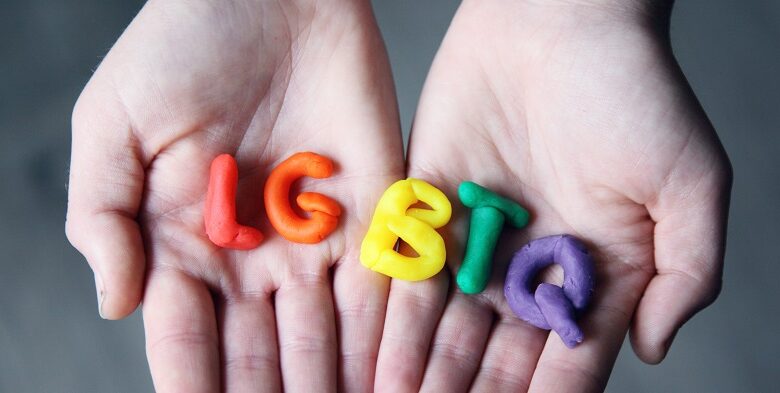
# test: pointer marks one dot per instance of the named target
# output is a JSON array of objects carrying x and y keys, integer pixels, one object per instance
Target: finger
[
  {"x": 458, "y": 345},
  {"x": 104, "y": 193},
  {"x": 586, "y": 367},
  {"x": 413, "y": 311},
  {"x": 307, "y": 332},
  {"x": 689, "y": 246},
  {"x": 249, "y": 347},
  {"x": 181, "y": 334},
  {"x": 360, "y": 297},
  {"x": 510, "y": 357}
]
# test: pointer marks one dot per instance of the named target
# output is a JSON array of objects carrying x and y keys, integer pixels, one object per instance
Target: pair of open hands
[{"x": 578, "y": 112}]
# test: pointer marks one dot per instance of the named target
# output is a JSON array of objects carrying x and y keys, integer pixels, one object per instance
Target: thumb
[
  {"x": 104, "y": 194},
  {"x": 690, "y": 233}
]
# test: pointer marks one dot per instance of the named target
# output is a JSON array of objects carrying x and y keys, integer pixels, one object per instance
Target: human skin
[
  {"x": 578, "y": 111},
  {"x": 187, "y": 81}
]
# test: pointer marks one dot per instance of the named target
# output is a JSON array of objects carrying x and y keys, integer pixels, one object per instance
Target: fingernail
[{"x": 100, "y": 294}]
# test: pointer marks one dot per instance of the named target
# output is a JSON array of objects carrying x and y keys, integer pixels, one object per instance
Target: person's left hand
[{"x": 580, "y": 113}]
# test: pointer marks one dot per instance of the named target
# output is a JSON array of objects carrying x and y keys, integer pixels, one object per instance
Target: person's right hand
[{"x": 189, "y": 80}]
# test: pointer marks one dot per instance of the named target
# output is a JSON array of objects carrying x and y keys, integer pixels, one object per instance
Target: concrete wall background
[{"x": 52, "y": 340}]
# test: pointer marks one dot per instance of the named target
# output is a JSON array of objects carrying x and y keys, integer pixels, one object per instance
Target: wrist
[
  {"x": 562, "y": 16},
  {"x": 532, "y": 29}
]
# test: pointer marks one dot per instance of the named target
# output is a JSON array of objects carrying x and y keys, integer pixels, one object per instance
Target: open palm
[
  {"x": 582, "y": 116},
  {"x": 186, "y": 82}
]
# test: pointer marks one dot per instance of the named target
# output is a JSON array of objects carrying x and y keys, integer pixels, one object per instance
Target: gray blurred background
[{"x": 52, "y": 340}]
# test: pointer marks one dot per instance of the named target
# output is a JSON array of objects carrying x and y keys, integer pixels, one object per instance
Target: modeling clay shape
[
  {"x": 220, "y": 214},
  {"x": 324, "y": 211},
  {"x": 551, "y": 306},
  {"x": 395, "y": 218},
  {"x": 488, "y": 214}
]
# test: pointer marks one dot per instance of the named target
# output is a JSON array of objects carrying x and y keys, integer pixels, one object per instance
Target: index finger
[
  {"x": 182, "y": 345},
  {"x": 586, "y": 367}
]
